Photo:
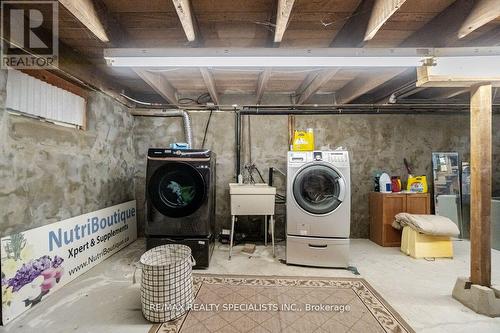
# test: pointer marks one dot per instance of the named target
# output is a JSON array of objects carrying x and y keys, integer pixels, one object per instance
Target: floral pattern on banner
[{"x": 24, "y": 278}]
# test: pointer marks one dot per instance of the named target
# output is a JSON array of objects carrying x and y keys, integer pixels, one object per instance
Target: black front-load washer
[{"x": 180, "y": 200}]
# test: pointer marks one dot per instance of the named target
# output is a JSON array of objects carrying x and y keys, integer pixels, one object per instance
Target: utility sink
[
  {"x": 252, "y": 199},
  {"x": 258, "y": 188}
]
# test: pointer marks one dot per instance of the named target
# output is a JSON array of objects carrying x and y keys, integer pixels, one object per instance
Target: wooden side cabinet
[{"x": 383, "y": 208}]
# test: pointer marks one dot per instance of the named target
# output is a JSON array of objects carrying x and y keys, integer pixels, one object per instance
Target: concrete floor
[{"x": 105, "y": 299}]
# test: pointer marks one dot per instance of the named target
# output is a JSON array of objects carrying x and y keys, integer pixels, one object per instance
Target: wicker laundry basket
[{"x": 167, "y": 282}]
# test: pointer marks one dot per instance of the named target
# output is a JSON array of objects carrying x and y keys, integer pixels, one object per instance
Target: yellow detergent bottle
[
  {"x": 417, "y": 184},
  {"x": 303, "y": 140}
]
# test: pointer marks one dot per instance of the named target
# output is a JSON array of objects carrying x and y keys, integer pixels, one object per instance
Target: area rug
[{"x": 226, "y": 303}]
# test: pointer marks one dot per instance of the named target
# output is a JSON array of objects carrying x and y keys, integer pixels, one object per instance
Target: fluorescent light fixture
[
  {"x": 264, "y": 61},
  {"x": 276, "y": 57},
  {"x": 262, "y": 57}
]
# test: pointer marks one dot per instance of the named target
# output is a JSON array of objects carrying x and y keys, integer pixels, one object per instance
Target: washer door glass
[
  {"x": 176, "y": 189},
  {"x": 318, "y": 189}
]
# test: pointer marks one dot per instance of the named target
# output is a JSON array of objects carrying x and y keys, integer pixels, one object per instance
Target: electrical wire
[
  {"x": 206, "y": 96},
  {"x": 186, "y": 101},
  {"x": 206, "y": 129},
  {"x": 200, "y": 100},
  {"x": 260, "y": 175}
]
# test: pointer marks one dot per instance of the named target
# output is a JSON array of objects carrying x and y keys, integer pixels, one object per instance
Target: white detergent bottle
[{"x": 384, "y": 183}]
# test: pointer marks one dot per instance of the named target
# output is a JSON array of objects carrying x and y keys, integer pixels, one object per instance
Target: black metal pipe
[
  {"x": 237, "y": 133},
  {"x": 367, "y": 107},
  {"x": 404, "y": 90},
  {"x": 271, "y": 112},
  {"x": 270, "y": 177}
]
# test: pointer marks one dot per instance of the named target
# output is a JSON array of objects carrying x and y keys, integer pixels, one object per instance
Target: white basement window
[{"x": 32, "y": 97}]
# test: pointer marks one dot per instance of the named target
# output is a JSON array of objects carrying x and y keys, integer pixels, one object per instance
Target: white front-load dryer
[{"x": 318, "y": 208}]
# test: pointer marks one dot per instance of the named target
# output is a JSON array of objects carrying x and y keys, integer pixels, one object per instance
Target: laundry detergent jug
[
  {"x": 303, "y": 140},
  {"x": 385, "y": 183},
  {"x": 417, "y": 184}
]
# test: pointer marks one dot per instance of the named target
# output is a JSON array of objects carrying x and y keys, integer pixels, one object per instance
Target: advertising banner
[{"x": 37, "y": 262}]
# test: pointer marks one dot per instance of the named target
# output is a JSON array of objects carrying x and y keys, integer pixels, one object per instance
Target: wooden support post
[{"x": 480, "y": 132}]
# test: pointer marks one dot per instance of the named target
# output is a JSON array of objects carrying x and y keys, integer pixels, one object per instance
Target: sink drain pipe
[
  {"x": 237, "y": 136},
  {"x": 188, "y": 129}
]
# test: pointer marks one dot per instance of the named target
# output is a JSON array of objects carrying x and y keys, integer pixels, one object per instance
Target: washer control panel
[
  {"x": 297, "y": 157},
  {"x": 338, "y": 156},
  {"x": 333, "y": 156}
]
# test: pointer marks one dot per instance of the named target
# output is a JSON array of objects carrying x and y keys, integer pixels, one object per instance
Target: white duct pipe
[{"x": 188, "y": 130}]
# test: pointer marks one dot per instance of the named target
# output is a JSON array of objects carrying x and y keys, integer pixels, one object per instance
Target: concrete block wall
[
  {"x": 374, "y": 141},
  {"x": 49, "y": 172}
]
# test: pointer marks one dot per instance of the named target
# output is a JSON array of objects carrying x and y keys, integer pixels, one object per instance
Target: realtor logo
[{"x": 29, "y": 34}]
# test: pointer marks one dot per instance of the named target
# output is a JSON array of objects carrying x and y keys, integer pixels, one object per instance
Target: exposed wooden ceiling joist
[
  {"x": 490, "y": 38},
  {"x": 442, "y": 30},
  {"x": 159, "y": 84},
  {"x": 306, "y": 82},
  {"x": 282, "y": 17},
  {"x": 86, "y": 13},
  {"x": 364, "y": 83},
  {"x": 411, "y": 92},
  {"x": 321, "y": 78},
  {"x": 210, "y": 84},
  {"x": 261, "y": 85},
  {"x": 403, "y": 84},
  {"x": 250, "y": 24},
  {"x": 183, "y": 8},
  {"x": 353, "y": 31},
  {"x": 273, "y": 14},
  {"x": 450, "y": 93},
  {"x": 483, "y": 12},
  {"x": 382, "y": 10}
]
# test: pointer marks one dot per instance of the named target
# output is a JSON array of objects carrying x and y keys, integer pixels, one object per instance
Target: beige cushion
[{"x": 427, "y": 224}]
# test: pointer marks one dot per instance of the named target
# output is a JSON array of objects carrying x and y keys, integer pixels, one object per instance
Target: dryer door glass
[
  {"x": 176, "y": 189},
  {"x": 318, "y": 189}
]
